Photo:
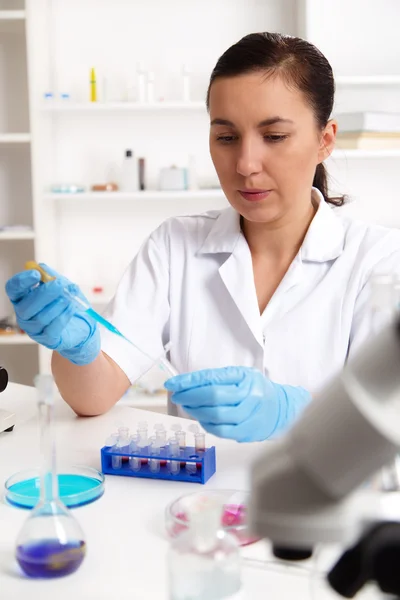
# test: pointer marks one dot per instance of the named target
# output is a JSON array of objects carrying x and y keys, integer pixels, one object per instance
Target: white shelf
[
  {"x": 16, "y": 339},
  {"x": 358, "y": 154},
  {"x": 12, "y": 15},
  {"x": 16, "y": 235},
  {"x": 367, "y": 80},
  {"x": 12, "y": 21},
  {"x": 15, "y": 138},
  {"x": 147, "y": 195},
  {"x": 104, "y": 107}
]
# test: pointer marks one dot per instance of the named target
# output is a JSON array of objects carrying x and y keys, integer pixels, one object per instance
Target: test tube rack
[{"x": 202, "y": 463}]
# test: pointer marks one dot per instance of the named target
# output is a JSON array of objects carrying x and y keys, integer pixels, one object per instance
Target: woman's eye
[
  {"x": 274, "y": 138},
  {"x": 226, "y": 139}
]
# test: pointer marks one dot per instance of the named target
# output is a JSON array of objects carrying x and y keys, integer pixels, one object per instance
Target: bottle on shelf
[
  {"x": 130, "y": 173},
  {"x": 150, "y": 87},
  {"x": 141, "y": 82},
  {"x": 93, "y": 85},
  {"x": 186, "y": 83}
]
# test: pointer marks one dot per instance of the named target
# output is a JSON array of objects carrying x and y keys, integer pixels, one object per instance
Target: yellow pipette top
[{"x": 45, "y": 277}]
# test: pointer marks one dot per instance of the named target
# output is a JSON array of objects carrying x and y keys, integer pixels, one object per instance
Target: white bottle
[
  {"x": 141, "y": 83},
  {"x": 130, "y": 173},
  {"x": 186, "y": 83},
  {"x": 204, "y": 561},
  {"x": 150, "y": 87}
]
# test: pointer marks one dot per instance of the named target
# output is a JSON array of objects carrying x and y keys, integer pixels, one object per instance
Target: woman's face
[{"x": 265, "y": 145}]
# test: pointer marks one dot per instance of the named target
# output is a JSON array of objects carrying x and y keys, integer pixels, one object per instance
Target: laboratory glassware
[
  {"x": 204, "y": 561},
  {"x": 51, "y": 542}
]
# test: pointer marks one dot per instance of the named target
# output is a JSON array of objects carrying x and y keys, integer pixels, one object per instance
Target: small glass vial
[
  {"x": 204, "y": 561},
  {"x": 174, "y": 466},
  {"x": 154, "y": 464},
  {"x": 122, "y": 442},
  {"x": 134, "y": 461}
]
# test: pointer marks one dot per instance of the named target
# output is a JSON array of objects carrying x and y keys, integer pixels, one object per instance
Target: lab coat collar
[
  {"x": 324, "y": 239},
  {"x": 224, "y": 233}
]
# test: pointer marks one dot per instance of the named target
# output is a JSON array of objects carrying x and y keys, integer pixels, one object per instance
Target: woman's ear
[{"x": 327, "y": 140}]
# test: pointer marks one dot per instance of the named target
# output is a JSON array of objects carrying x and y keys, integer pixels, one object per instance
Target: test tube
[
  {"x": 143, "y": 440},
  {"x": 161, "y": 433},
  {"x": 191, "y": 466},
  {"x": 142, "y": 431},
  {"x": 180, "y": 435},
  {"x": 154, "y": 464},
  {"x": 174, "y": 466},
  {"x": 134, "y": 461},
  {"x": 122, "y": 442},
  {"x": 111, "y": 440},
  {"x": 199, "y": 438}
]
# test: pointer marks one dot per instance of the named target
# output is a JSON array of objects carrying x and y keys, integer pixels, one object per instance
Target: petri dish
[
  {"x": 78, "y": 485},
  {"x": 234, "y": 515}
]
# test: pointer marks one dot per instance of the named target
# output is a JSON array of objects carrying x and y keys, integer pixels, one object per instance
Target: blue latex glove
[
  {"x": 238, "y": 402},
  {"x": 53, "y": 319}
]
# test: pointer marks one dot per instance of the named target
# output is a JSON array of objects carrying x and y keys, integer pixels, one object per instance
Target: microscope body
[{"x": 7, "y": 419}]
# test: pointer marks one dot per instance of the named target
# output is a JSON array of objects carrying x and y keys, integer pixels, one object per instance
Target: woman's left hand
[{"x": 237, "y": 402}]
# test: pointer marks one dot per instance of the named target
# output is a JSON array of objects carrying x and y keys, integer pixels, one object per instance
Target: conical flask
[{"x": 51, "y": 542}]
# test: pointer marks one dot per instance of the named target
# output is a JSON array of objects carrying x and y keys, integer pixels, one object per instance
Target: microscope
[
  {"x": 7, "y": 419},
  {"x": 312, "y": 486}
]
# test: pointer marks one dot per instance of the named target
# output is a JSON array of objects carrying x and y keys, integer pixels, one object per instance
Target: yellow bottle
[{"x": 93, "y": 85}]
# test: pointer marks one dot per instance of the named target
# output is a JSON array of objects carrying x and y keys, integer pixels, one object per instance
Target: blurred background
[{"x": 104, "y": 131}]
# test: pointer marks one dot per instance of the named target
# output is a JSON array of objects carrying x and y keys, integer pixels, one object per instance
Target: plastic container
[
  {"x": 234, "y": 515},
  {"x": 78, "y": 485}
]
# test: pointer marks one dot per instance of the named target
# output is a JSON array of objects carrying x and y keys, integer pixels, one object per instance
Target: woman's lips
[{"x": 254, "y": 195}]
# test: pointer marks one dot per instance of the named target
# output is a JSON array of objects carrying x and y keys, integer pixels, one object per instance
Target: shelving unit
[
  {"x": 12, "y": 21},
  {"x": 147, "y": 195},
  {"x": 15, "y": 138},
  {"x": 368, "y": 80},
  {"x": 16, "y": 235},
  {"x": 18, "y": 353},
  {"x": 111, "y": 107},
  {"x": 358, "y": 154},
  {"x": 12, "y": 15}
]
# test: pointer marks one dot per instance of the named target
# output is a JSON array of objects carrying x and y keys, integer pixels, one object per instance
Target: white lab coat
[{"x": 192, "y": 284}]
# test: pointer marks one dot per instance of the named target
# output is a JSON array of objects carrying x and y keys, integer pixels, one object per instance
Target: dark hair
[{"x": 301, "y": 65}]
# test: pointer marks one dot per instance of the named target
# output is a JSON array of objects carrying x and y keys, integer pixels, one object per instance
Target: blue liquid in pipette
[
  {"x": 97, "y": 317},
  {"x": 162, "y": 361}
]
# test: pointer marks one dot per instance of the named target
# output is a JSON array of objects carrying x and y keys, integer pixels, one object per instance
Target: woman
[{"x": 263, "y": 301}]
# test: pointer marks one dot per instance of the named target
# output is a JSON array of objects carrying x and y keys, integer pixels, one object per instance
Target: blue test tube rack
[{"x": 204, "y": 460}]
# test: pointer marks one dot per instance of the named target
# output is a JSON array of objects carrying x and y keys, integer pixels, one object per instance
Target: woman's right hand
[{"x": 51, "y": 317}]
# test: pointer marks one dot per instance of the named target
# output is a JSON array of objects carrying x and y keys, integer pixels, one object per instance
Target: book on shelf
[
  {"x": 382, "y": 122},
  {"x": 367, "y": 140}
]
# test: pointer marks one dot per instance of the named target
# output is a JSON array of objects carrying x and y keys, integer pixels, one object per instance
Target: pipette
[{"x": 161, "y": 360}]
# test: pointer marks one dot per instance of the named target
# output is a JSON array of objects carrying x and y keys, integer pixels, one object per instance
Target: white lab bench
[{"x": 124, "y": 529}]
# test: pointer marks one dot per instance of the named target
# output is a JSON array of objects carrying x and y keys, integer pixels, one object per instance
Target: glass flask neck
[{"x": 48, "y": 475}]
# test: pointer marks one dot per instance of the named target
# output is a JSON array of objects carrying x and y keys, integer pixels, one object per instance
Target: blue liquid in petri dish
[
  {"x": 75, "y": 490},
  {"x": 49, "y": 558}
]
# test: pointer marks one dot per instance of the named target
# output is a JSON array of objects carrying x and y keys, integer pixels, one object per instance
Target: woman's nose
[{"x": 249, "y": 160}]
